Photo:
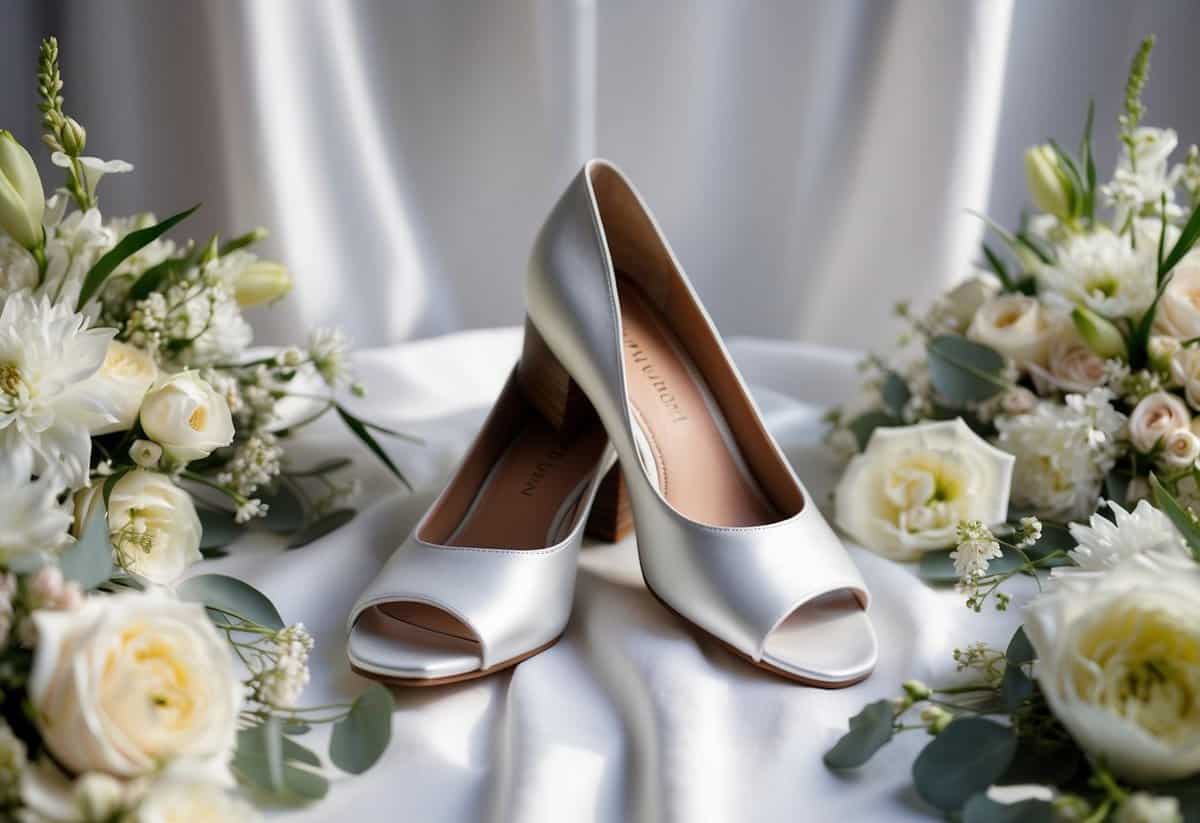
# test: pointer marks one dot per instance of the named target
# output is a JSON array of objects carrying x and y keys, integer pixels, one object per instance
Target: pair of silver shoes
[{"x": 621, "y": 364}]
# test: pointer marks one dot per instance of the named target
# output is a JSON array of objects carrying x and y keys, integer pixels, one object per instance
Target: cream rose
[
  {"x": 1071, "y": 365},
  {"x": 1180, "y": 449},
  {"x": 187, "y": 417},
  {"x": 1156, "y": 416},
  {"x": 1015, "y": 325},
  {"x": 1118, "y": 657},
  {"x": 908, "y": 490},
  {"x": 1185, "y": 368},
  {"x": 123, "y": 380},
  {"x": 132, "y": 681},
  {"x": 1178, "y": 313}
]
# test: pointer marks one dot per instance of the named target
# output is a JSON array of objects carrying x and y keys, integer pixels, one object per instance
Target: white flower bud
[
  {"x": 22, "y": 199},
  {"x": 1050, "y": 188},
  {"x": 1104, "y": 338},
  {"x": 145, "y": 453}
]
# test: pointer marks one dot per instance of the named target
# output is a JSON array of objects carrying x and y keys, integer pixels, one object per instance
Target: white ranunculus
[
  {"x": 1118, "y": 658},
  {"x": 1178, "y": 313},
  {"x": 184, "y": 415},
  {"x": 1156, "y": 416},
  {"x": 152, "y": 524},
  {"x": 908, "y": 490},
  {"x": 1185, "y": 368},
  {"x": 130, "y": 682},
  {"x": 123, "y": 380},
  {"x": 1015, "y": 325},
  {"x": 180, "y": 798}
]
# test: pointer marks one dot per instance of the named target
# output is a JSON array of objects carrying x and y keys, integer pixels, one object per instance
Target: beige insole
[
  {"x": 687, "y": 444},
  {"x": 529, "y": 500}
]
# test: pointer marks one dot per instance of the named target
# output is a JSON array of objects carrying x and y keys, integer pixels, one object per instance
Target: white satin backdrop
[
  {"x": 633, "y": 716},
  {"x": 811, "y": 161}
]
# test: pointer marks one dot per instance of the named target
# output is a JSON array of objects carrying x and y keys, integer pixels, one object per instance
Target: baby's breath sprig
[
  {"x": 978, "y": 545},
  {"x": 1131, "y": 116},
  {"x": 62, "y": 133}
]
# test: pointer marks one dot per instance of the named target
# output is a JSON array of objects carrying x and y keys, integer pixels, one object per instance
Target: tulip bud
[
  {"x": 1161, "y": 350},
  {"x": 1104, "y": 338},
  {"x": 22, "y": 200},
  {"x": 261, "y": 282},
  {"x": 1051, "y": 189}
]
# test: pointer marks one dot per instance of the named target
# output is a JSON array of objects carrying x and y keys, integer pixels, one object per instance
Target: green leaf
[
  {"x": 1015, "y": 687},
  {"x": 1187, "y": 239},
  {"x": 1089, "y": 163},
  {"x": 870, "y": 730},
  {"x": 963, "y": 371},
  {"x": 361, "y": 737},
  {"x": 220, "y": 591},
  {"x": 1020, "y": 650},
  {"x": 329, "y": 466},
  {"x": 981, "y": 809},
  {"x": 277, "y": 766},
  {"x": 863, "y": 426},
  {"x": 130, "y": 244},
  {"x": 1181, "y": 517},
  {"x": 997, "y": 266},
  {"x": 89, "y": 561},
  {"x": 321, "y": 527},
  {"x": 153, "y": 278},
  {"x": 360, "y": 431},
  {"x": 965, "y": 758},
  {"x": 895, "y": 393},
  {"x": 286, "y": 512},
  {"x": 219, "y": 528}
]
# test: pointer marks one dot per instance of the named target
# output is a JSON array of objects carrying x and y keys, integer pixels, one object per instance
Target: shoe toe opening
[
  {"x": 413, "y": 640},
  {"x": 829, "y": 639}
]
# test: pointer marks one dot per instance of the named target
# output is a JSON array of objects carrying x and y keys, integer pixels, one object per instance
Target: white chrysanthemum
[
  {"x": 1062, "y": 453},
  {"x": 47, "y": 352},
  {"x": 1105, "y": 544},
  {"x": 1102, "y": 270},
  {"x": 32, "y": 520}
]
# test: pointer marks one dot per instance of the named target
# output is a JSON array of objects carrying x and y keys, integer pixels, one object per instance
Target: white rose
[
  {"x": 1156, "y": 416},
  {"x": 1178, "y": 313},
  {"x": 1015, "y": 325},
  {"x": 908, "y": 490},
  {"x": 177, "y": 798},
  {"x": 122, "y": 381},
  {"x": 1185, "y": 368},
  {"x": 184, "y": 415},
  {"x": 132, "y": 681},
  {"x": 152, "y": 524},
  {"x": 1118, "y": 658},
  {"x": 1181, "y": 449},
  {"x": 1072, "y": 365}
]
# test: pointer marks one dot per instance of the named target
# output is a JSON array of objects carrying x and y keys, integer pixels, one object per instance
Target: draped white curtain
[{"x": 812, "y": 162}]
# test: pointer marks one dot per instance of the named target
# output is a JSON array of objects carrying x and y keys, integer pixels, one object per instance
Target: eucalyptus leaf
[
  {"x": 966, "y": 757},
  {"x": 896, "y": 394},
  {"x": 361, "y": 737},
  {"x": 286, "y": 512},
  {"x": 321, "y": 526},
  {"x": 863, "y": 426},
  {"x": 1043, "y": 761},
  {"x": 1180, "y": 517},
  {"x": 963, "y": 371},
  {"x": 870, "y": 730},
  {"x": 982, "y": 809},
  {"x": 1020, "y": 650},
  {"x": 1015, "y": 687},
  {"x": 89, "y": 560},
  {"x": 228, "y": 594},
  {"x": 277, "y": 766},
  {"x": 130, "y": 244},
  {"x": 219, "y": 528},
  {"x": 360, "y": 431}
]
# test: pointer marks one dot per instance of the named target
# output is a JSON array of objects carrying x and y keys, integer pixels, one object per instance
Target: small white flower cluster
[
  {"x": 255, "y": 463},
  {"x": 281, "y": 683},
  {"x": 328, "y": 348}
]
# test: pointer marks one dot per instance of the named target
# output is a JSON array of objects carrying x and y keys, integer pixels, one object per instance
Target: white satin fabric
[
  {"x": 810, "y": 161},
  {"x": 633, "y": 717}
]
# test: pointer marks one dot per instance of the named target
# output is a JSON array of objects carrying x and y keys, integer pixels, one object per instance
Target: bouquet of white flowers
[
  {"x": 137, "y": 434},
  {"x": 1046, "y": 422}
]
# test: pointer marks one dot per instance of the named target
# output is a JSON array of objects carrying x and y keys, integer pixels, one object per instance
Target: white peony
[
  {"x": 177, "y": 798},
  {"x": 47, "y": 354},
  {"x": 32, "y": 521},
  {"x": 130, "y": 682},
  {"x": 184, "y": 415},
  {"x": 1102, "y": 271},
  {"x": 1118, "y": 659},
  {"x": 123, "y": 380},
  {"x": 1016, "y": 325},
  {"x": 1062, "y": 453},
  {"x": 906, "y": 493},
  {"x": 1155, "y": 417},
  {"x": 152, "y": 523},
  {"x": 1105, "y": 544}
]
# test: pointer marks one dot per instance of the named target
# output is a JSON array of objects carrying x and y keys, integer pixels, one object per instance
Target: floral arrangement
[
  {"x": 139, "y": 433},
  {"x": 1041, "y": 420}
]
